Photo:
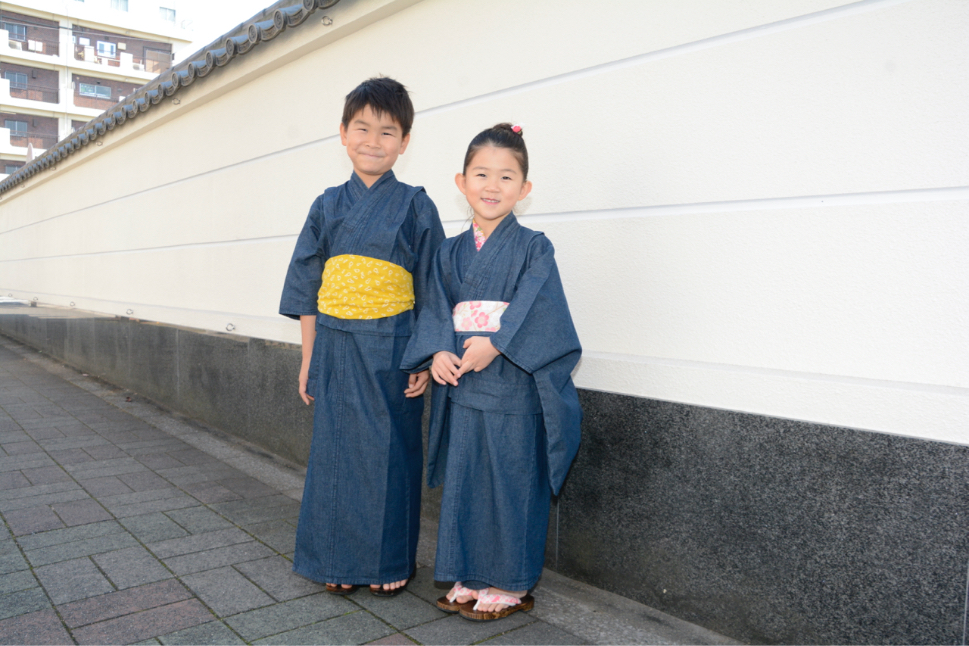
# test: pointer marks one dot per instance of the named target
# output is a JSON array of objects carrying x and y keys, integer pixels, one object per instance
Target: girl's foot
[
  {"x": 495, "y": 603},
  {"x": 459, "y": 597},
  {"x": 344, "y": 589}
]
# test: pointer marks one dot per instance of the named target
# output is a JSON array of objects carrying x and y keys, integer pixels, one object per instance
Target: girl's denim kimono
[
  {"x": 507, "y": 435},
  {"x": 360, "y": 514}
]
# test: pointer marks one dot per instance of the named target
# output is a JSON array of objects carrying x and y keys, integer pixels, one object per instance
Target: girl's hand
[
  {"x": 480, "y": 353},
  {"x": 444, "y": 368},
  {"x": 416, "y": 384},
  {"x": 304, "y": 375}
]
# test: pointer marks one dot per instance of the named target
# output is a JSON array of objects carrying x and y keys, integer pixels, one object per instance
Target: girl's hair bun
[
  {"x": 515, "y": 128},
  {"x": 501, "y": 135}
]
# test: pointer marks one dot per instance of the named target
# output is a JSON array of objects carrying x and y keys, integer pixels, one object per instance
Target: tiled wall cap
[
  {"x": 296, "y": 14},
  {"x": 224, "y": 54},
  {"x": 245, "y": 42},
  {"x": 186, "y": 76},
  {"x": 203, "y": 66},
  {"x": 269, "y": 29}
]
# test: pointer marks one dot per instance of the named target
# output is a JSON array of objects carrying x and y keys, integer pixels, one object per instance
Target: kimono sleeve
[
  {"x": 537, "y": 327},
  {"x": 434, "y": 330},
  {"x": 305, "y": 274},
  {"x": 430, "y": 235}
]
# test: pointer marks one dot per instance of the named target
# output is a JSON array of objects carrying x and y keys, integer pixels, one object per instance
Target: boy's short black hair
[{"x": 382, "y": 94}]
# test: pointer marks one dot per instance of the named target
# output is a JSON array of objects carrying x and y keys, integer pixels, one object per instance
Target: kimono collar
[
  {"x": 505, "y": 226},
  {"x": 358, "y": 189}
]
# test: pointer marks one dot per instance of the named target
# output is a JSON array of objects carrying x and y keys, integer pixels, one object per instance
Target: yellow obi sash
[{"x": 358, "y": 287}]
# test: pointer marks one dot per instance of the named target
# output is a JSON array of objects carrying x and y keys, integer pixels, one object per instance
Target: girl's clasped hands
[{"x": 447, "y": 367}]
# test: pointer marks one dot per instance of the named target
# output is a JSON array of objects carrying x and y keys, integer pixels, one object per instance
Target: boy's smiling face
[{"x": 373, "y": 143}]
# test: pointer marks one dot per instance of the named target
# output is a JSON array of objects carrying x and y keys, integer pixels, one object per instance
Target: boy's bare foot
[
  {"x": 336, "y": 588},
  {"x": 387, "y": 587}
]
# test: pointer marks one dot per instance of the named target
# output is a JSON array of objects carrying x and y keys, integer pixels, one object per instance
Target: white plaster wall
[{"x": 759, "y": 205}]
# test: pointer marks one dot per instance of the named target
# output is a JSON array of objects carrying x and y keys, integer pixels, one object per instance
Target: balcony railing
[
  {"x": 90, "y": 55},
  {"x": 152, "y": 63},
  {"x": 37, "y": 139},
  {"x": 48, "y": 46},
  {"x": 34, "y": 92}
]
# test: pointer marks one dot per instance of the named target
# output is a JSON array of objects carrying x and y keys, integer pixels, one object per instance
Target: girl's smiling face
[{"x": 493, "y": 184}]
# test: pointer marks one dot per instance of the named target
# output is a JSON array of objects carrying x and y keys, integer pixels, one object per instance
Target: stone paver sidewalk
[{"x": 123, "y": 523}]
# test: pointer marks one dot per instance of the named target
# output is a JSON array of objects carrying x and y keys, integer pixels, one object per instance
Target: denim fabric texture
[
  {"x": 501, "y": 441},
  {"x": 360, "y": 514}
]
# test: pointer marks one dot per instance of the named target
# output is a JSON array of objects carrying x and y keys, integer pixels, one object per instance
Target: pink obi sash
[{"x": 478, "y": 316}]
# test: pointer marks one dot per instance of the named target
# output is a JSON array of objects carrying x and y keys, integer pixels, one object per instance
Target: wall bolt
[
  {"x": 100, "y": 143},
  {"x": 129, "y": 312},
  {"x": 327, "y": 21},
  {"x": 230, "y": 327},
  {"x": 72, "y": 303},
  {"x": 176, "y": 101}
]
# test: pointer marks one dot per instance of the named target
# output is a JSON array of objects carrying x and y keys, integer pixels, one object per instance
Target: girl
[{"x": 505, "y": 418}]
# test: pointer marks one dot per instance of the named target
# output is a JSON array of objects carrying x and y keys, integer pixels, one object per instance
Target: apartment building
[{"x": 63, "y": 62}]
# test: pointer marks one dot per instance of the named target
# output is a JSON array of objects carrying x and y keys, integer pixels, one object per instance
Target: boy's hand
[
  {"x": 304, "y": 375},
  {"x": 444, "y": 368},
  {"x": 480, "y": 353},
  {"x": 416, "y": 384}
]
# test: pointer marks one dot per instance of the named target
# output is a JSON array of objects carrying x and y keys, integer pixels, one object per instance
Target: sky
[{"x": 212, "y": 18}]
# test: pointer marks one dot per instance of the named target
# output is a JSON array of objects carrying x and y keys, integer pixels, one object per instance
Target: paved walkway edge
[{"x": 592, "y": 614}]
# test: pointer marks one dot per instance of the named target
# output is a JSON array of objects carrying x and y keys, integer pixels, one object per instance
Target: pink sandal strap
[
  {"x": 497, "y": 598},
  {"x": 458, "y": 590}
]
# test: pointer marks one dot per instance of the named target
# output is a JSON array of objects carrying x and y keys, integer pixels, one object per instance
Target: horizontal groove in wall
[
  {"x": 775, "y": 372},
  {"x": 947, "y": 194},
  {"x": 749, "y": 33},
  {"x": 59, "y": 298},
  {"x": 714, "y": 41}
]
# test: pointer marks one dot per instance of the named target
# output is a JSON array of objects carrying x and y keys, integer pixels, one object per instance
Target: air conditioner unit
[
  {"x": 14, "y": 44},
  {"x": 138, "y": 66}
]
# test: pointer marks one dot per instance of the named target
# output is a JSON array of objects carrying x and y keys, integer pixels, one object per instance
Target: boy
[{"x": 355, "y": 283}]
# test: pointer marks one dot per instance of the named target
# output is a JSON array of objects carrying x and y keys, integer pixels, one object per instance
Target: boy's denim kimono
[
  {"x": 360, "y": 514},
  {"x": 507, "y": 434}
]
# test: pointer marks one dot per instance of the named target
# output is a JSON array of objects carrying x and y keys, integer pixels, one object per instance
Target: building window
[
  {"x": 108, "y": 50},
  {"x": 10, "y": 170},
  {"x": 18, "y": 80},
  {"x": 15, "y": 127},
  {"x": 17, "y": 32},
  {"x": 167, "y": 14},
  {"x": 120, "y": 5},
  {"x": 96, "y": 91}
]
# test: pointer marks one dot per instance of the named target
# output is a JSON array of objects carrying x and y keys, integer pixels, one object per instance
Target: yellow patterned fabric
[{"x": 357, "y": 287}]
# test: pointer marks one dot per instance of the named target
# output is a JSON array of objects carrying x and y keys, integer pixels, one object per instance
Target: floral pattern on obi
[
  {"x": 479, "y": 236},
  {"x": 358, "y": 287},
  {"x": 478, "y": 316}
]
